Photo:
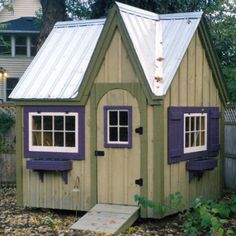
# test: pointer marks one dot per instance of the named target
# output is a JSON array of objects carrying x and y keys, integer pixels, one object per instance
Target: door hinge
[
  {"x": 99, "y": 153},
  {"x": 139, "y": 182},
  {"x": 139, "y": 130}
]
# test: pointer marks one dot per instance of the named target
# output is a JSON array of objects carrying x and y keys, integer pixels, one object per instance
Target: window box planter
[
  {"x": 43, "y": 165},
  {"x": 196, "y": 168}
]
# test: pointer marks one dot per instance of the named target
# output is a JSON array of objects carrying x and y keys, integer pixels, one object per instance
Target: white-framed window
[
  {"x": 118, "y": 126},
  {"x": 18, "y": 45},
  {"x": 53, "y": 132},
  {"x": 195, "y": 132}
]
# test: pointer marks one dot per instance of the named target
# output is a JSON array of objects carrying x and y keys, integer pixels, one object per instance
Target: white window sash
[
  {"x": 53, "y": 148},
  {"x": 199, "y": 147}
]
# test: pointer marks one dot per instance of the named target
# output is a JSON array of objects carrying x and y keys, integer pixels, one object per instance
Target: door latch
[
  {"x": 139, "y": 182},
  {"x": 99, "y": 153}
]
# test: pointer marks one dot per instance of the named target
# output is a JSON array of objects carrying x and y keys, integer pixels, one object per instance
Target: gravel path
[{"x": 17, "y": 221}]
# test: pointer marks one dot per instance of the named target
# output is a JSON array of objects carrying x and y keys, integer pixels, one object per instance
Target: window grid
[
  {"x": 44, "y": 133},
  {"x": 195, "y": 132},
  {"x": 118, "y": 126}
]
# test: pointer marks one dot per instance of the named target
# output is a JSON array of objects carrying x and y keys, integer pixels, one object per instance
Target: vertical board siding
[
  {"x": 20, "y": 9},
  {"x": 116, "y": 67},
  {"x": 193, "y": 85},
  {"x": 53, "y": 192}
]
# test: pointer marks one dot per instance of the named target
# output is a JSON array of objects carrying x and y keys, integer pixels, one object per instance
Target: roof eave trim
[{"x": 20, "y": 31}]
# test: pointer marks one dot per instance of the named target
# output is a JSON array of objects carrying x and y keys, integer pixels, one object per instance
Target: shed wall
[
  {"x": 53, "y": 192},
  {"x": 20, "y": 9},
  {"x": 193, "y": 85}
]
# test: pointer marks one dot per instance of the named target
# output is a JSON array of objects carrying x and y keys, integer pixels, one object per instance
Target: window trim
[
  {"x": 176, "y": 132},
  {"x": 200, "y": 147},
  {"x": 118, "y": 144},
  {"x": 55, "y": 154}
]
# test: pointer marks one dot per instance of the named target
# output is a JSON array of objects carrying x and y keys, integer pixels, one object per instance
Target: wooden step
[{"x": 107, "y": 218}]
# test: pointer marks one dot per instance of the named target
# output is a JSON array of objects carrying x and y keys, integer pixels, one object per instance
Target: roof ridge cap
[
  {"x": 65, "y": 24},
  {"x": 137, "y": 11}
]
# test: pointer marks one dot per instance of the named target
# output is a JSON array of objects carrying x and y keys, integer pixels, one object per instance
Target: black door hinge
[{"x": 99, "y": 153}]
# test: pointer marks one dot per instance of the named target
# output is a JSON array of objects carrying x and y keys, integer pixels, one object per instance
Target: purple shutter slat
[
  {"x": 213, "y": 128},
  {"x": 175, "y": 134}
]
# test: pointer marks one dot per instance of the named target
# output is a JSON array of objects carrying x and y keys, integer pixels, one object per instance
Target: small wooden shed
[{"x": 113, "y": 108}]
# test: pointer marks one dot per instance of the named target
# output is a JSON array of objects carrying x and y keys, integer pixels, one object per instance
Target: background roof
[{"x": 23, "y": 24}]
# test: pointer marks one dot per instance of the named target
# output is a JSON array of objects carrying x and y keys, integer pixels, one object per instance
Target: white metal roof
[
  {"x": 160, "y": 42},
  {"x": 58, "y": 68}
]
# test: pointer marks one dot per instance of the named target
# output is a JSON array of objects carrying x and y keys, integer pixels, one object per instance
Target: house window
[
  {"x": 5, "y": 45},
  {"x": 11, "y": 83},
  {"x": 195, "y": 132},
  {"x": 118, "y": 126},
  {"x": 54, "y": 132},
  {"x": 20, "y": 45}
]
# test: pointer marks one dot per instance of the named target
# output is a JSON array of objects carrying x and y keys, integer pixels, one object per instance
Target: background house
[
  {"x": 130, "y": 105},
  {"x": 18, "y": 31}
]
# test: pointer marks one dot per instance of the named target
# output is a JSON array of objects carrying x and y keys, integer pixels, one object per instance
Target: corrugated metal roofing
[
  {"x": 58, "y": 68},
  {"x": 160, "y": 42}
]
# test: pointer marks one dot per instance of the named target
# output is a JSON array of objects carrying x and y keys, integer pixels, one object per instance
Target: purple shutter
[
  {"x": 175, "y": 134},
  {"x": 213, "y": 129}
]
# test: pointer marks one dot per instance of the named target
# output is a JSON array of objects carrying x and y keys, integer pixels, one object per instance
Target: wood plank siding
[
  {"x": 53, "y": 192},
  {"x": 193, "y": 85},
  {"x": 20, "y": 9}
]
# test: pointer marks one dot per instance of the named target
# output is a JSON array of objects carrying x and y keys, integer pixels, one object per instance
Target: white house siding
[
  {"x": 15, "y": 68},
  {"x": 20, "y": 8}
]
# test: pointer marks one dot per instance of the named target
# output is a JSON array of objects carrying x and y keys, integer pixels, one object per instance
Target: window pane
[
  {"x": 192, "y": 139},
  {"x": 5, "y": 45},
  {"x": 124, "y": 134},
  {"x": 197, "y": 138},
  {"x": 187, "y": 123},
  {"x": 47, "y": 138},
  {"x": 197, "y": 123},
  {"x": 47, "y": 122},
  {"x": 36, "y": 138},
  {"x": 70, "y": 122},
  {"x": 33, "y": 41},
  {"x": 192, "y": 124},
  {"x": 59, "y": 123},
  {"x": 203, "y": 138},
  {"x": 21, "y": 48},
  {"x": 202, "y": 123},
  {"x": 123, "y": 118},
  {"x": 59, "y": 139},
  {"x": 187, "y": 140},
  {"x": 70, "y": 139},
  {"x": 113, "y": 117},
  {"x": 36, "y": 123},
  {"x": 113, "y": 134}
]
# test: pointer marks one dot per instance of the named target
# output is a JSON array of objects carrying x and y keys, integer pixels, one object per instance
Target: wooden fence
[
  {"x": 230, "y": 148},
  {"x": 7, "y": 150}
]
